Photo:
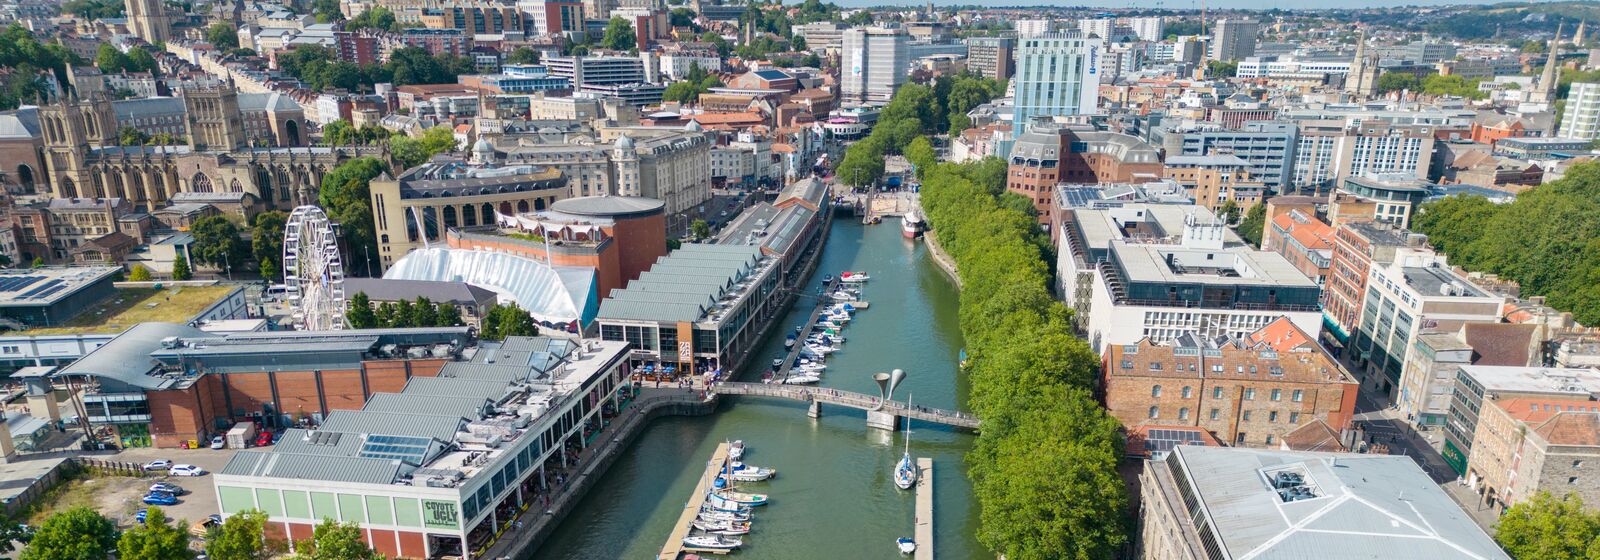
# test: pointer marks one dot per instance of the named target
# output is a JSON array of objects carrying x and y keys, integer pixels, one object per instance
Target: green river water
[{"x": 833, "y": 497}]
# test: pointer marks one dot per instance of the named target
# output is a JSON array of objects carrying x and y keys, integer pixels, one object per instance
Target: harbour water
[{"x": 833, "y": 497}]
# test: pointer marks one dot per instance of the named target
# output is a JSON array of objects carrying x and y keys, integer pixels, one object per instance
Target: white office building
[
  {"x": 874, "y": 64},
  {"x": 1033, "y": 27},
  {"x": 1100, "y": 27},
  {"x": 1057, "y": 74},
  {"x": 1582, "y": 117},
  {"x": 1151, "y": 29}
]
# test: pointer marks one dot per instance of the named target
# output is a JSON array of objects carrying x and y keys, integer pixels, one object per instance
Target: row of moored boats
[
  {"x": 725, "y": 517},
  {"x": 824, "y": 337}
]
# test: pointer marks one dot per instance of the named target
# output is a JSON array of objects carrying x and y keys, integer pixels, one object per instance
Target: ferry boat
[{"x": 911, "y": 225}]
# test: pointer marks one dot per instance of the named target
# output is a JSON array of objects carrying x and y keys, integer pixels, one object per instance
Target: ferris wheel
[{"x": 313, "y": 273}]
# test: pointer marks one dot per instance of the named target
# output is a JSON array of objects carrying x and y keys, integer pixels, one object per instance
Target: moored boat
[
  {"x": 723, "y": 516},
  {"x": 905, "y": 545},
  {"x": 722, "y": 527},
  {"x": 712, "y": 542},
  {"x": 911, "y": 225},
  {"x": 853, "y": 277},
  {"x": 736, "y": 449}
]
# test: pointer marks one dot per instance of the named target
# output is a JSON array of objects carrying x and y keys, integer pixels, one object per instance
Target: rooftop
[
  {"x": 1270, "y": 505},
  {"x": 438, "y": 432},
  {"x": 697, "y": 282},
  {"x": 379, "y": 289},
  {"x": 1576, "y": 382},
  {"x": 609, "y": 206},
  {"x": 131, "y": 306},
  {"x": 39, "y": 287},
  {"x": 1431, "y": 281}
]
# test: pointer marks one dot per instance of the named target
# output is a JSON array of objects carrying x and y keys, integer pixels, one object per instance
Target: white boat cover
[{"x": 553, "y": 295}]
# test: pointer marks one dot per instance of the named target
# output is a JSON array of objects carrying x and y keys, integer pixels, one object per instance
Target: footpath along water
[{"x": 833, "y": 497}]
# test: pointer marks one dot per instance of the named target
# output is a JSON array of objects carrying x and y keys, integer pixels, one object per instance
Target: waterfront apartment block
[
  {"x": 1248, "y": 391},
  {"x": 1477, "y": 386},
  {"x": 1162, "y": 271},
  {"x": 1416, "y": 293},
  {"x": 1525, "y": 445},
  {"x": 1206, "y": 503},
  {"x": 441, "y": 464}
]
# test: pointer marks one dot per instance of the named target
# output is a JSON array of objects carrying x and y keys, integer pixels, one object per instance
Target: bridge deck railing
[{"x": 846, "y": 398}]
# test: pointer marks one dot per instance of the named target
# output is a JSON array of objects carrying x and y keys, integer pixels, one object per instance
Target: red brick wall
[
  {"x": 176, "y": 417},
  {"x": 297, "y": 393},
  {"x": 411, "y": 545},
  {"x": 385, "y": 376},
  {"x": 341, "y": 389},
  {"x": 639, "y": 242},
  {"x": 249, "y": 391},
  {"x": 383, "y": 541}
]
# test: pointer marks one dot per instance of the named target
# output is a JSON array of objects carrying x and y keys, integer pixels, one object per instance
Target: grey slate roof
[
  {"x": 313, "y": 467},
  {"x": 698, "y": 268}
]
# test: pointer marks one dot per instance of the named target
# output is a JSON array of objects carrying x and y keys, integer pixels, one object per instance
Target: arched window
[
  {"x": 68, "y": 188},
  {"x": 200, "y": 183},
  {"x": 538, "y": 204},
  {"x": 291, "y": 132},
  {"x": 234, "y": 186},
  {"x": 522, "y": 206},
  {"x": 468, "y": 217},
  {"x": 1155, "y": 391},
  {"x": 430, "y": 222},
  {"x": 450, "y": 217},
  {"x": 1187, "y": 391},
  {"x": 488, "y": 214},
  {"x": 1183, "y": 413},
  {"x": 25, "y": 177},
  {"x": 505, "y": 208},
  {"x": 1155, "y": 412}
]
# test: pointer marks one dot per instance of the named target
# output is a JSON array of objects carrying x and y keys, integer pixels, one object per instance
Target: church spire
[{"x": 1545, "y": 91}]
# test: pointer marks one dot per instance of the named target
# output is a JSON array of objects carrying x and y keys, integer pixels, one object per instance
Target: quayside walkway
[{"x": 850, "y": 399}]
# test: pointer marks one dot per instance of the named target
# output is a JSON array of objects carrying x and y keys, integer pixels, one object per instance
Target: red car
[{"x": 263, "y": 439}]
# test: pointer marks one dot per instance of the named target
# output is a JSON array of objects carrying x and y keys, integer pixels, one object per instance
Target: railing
[{"x": 850, "y": 399}]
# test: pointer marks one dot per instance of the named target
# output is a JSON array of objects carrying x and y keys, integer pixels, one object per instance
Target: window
[
  {"x": 1215, "y": 413},
  {"x": 1188, "y": 391},
  {"x": 1250, "y": 394},
  {"x": 1183, "y": 413},
  {"x": 1298, "y": 395},
  {"x": 1216, "y": 392},
  {"x": 1277, "y": 394},
  {"x": 1269, "y": 439},
  {"x": 1272, "y": 416},
  {"x": 1155, "y": 412},
  {"x": 1246, "y": 416},
  {"x": 1155, "y": 392},
  {"x": 1241, "y": 437}
]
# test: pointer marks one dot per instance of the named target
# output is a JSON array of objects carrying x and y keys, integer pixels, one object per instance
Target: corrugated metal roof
[
  {"x": 300, "y": 441},
  {"x": 455, "y": 388},
  {"x": 465, "y": 407},
  {"x": 126, "y": 358},
  {"x": 359, "y": 470},
  {"x": 442, "y": 428},
  {"x": 503, "y": 373}
]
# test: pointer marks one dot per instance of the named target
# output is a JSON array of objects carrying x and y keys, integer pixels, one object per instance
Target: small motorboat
[
  {"x": 723, "y": 516},
  {"x": 777, "y": 363},
  {"x": 741, "y": 498},
  {"x": 722, "y": 527},
  {"x": 827, "y": 279},
  {"x": 746, "y": 473},
  {"x": 712, "y": 542},
  {"x": 789, "y": 340},
  {"x": 801, "y": 379},
  {"x": 906, "y": 545},
  {"x": 735, "y": 510},
  {"x": 736, "y": 449},
  {"x": 853, "y": 277}
]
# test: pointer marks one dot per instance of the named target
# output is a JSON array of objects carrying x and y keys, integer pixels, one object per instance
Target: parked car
[
  {"x": 218, "y": 442},
  {"x": 169, "y": 488},
  {"x": 186, "y": 470},
  {"x": 139, "y": 516},
  {"x": 158, "y": 465},
  {"x": 203, "y": 526},
  {"x": 263, "y": 438},
  {"x": 160, "y": 499}
]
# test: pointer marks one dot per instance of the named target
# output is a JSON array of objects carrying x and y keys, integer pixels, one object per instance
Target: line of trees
[
  {"x": 1044, "y": 466},
  {"x": 320, "y": 68},
  {"x": 81, "y": 533},
  {"x": 915, "y": 111},
  {"x": 422, "y": 313},
  {"x": 1547, "y": 240},
  {"x": 27, "y": 59}
]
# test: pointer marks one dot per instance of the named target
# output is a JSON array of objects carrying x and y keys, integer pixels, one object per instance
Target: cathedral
[{"x": 84, "y": 159}]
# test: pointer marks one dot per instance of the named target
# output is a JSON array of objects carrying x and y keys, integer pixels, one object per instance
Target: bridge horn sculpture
[{"x": 886, "y": 384}]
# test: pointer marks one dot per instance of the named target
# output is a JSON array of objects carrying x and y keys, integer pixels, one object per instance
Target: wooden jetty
[{"x": 675, "y": 547}]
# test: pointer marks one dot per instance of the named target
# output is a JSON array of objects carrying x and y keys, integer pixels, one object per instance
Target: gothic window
[
  {"x": 235, "y": 186},
  {"x": 200, "y": 183}
]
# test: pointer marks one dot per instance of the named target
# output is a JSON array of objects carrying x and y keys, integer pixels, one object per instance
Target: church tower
[
  {"x": 148, "y": 19},
  {"x": 71, "y": 128},
  {"x": 1362, "y": 81},
  {"x": 214, "y": 121}
]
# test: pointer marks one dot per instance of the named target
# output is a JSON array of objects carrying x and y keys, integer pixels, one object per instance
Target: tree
[
  {"x": 180, "y": 268},
  {"x": 327, "y": 11},
  {"x": 1547, "y": 527},
  {"x": 239, "y": 537},
  {"x": 1222, "y": 69},
  {"x": 862, "y": 164},
  {"x": 139, "y": 274},
  {"x": 700, "y": 229},
  {"x": 140, "y": 60},
  {"x": 130, "y": 136},
  {"x": 223, "y": 36},
  {"x": 359, "y": 312},
  {"x": 1254, "y": 224},
  {"x": 38, "y": 262},
  {"x": 411, "y": 152},
  {"x": 219, "y": 243},
  {"x": 859, "y": 18},
  {"x": 94, "y": 9},
  {"x": 347, "y": 199},
  {"x": 523, "y": 55},
  {"x": 79, "y": 533},
  {"x": 921, "y": 155},
  {"x": 1398, "y": 81},
  {"x": 504, "y": 320},
  {"x": 331, "y": 540},
  {"x": 619, "y": 35},
  {"x": 377, "y": 17},
  {"x": 266, "y": 241},
  {"x": 448, "y": 315},
  {"x": 110, "y": 60},
  {"x": 797, "y": 43},
  {"x": 155, "y": 539}
]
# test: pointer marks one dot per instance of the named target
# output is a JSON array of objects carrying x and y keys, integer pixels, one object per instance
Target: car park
[
  {"x": 160, "y": 499},
  {"x": 186, "y": 470},
  {"x": 218, "y": 442}
]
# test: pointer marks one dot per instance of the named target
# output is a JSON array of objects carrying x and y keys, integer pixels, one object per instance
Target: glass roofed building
[
  {"x": 563, "y": 297},
  {"x": 435, "y": 467}
]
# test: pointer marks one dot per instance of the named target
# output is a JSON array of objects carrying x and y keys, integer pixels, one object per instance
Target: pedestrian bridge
[{"x": 861, "y": 401}]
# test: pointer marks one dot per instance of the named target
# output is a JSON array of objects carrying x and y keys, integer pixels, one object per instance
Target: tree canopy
[
  {"x": 223, "y": 36},
  {"x": 79, "y": 533},
  {"x": 377, "y": 17},
  {"x": 1545, "y": 527},
  {"x": 320, "y": 68},
  {"x": 331, "y": 540},
  {"x": 410, "y": 152},
  {"x": 915, "y": 111},
  {"x": 266, "y": 242},
  {"x": 155, "y": 539},
  {"x": 420, "y": 313},
  {"x": 505, "y": 320},
  {"x": 28, "y": 59},
  {"x": 94, "y": 9},
  {"x": 619, "y": 35},
  {"x": 523, "y": 55},
  {"x": 239, "y": 537},
  {"x": 347, "y": 200},
  {"x": 220, "y": 243},
  {"x": 1547, "y": 240}
]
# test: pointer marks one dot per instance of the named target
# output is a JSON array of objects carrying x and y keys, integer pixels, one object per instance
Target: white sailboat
[{"x": 905, "y": 473}]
